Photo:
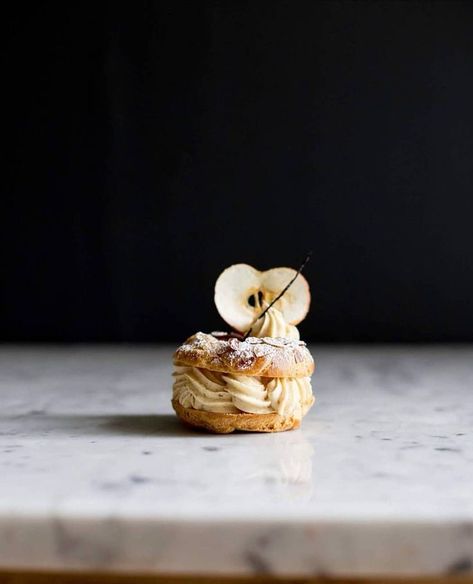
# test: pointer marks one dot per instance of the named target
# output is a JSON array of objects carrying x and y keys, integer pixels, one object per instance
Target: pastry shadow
[
  {"x": 145, "y": 425},
  {"x": 75, "y": 425}
]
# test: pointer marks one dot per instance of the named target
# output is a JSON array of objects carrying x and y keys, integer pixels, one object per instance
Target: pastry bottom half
[{"x": 227, "y": 423}]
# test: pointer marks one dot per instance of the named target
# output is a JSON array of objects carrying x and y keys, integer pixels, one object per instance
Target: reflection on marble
[{"x": 96, "y": 472}]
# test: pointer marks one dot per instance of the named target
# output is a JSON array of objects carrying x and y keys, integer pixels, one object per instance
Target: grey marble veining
[{"x": 97, "y": 473}]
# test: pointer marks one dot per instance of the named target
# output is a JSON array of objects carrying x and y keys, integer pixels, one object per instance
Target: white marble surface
[{"x": 97, "y": 474}]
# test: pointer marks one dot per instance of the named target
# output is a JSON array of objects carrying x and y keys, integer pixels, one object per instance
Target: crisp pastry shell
[
  {"x": 227, "y": 423},
  {"x": 264, "y": 357}
]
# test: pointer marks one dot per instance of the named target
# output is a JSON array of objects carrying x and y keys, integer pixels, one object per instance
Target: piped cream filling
[
  {"x": 273, "y": 324},
  {"x": 212, "y": 391}
]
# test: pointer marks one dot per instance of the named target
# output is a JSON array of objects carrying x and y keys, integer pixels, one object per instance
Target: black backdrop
[{"x": 151, "y": 144}]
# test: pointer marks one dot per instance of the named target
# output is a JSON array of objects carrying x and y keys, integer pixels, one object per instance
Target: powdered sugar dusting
[{"x": 240, "y": 355}]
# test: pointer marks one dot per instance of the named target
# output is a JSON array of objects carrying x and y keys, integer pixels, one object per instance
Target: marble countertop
[{"x": 97, "y": 474}]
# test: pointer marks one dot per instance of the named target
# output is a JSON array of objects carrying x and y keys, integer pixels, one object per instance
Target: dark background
[{"x": 151, "y": 144}]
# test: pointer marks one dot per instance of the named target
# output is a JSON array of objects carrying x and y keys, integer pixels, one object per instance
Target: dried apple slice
[{"x": 242, "y": 292}]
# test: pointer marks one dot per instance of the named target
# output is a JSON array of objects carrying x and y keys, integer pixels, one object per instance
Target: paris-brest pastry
[{"x": 257, "y": 378}]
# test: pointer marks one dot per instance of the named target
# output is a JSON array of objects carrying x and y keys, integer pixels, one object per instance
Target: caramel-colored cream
[
  {"x": 273, "y": 324},
  {"x": 211, "y": 391}
]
